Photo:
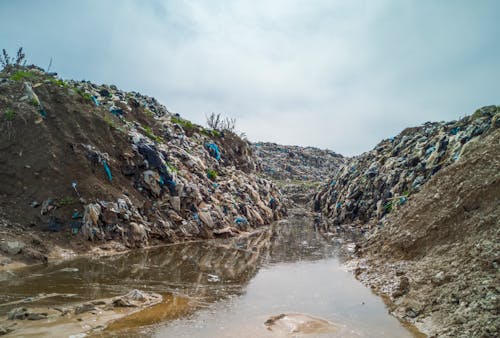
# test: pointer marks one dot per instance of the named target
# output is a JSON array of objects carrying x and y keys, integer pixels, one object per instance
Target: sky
[{"x": 334, "y": 74}]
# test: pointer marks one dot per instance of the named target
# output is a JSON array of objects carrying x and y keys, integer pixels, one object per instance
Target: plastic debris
[{"x": 213, "y": 149}]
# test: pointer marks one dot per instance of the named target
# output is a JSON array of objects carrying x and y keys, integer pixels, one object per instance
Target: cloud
[{"x": 334, "y": 74}]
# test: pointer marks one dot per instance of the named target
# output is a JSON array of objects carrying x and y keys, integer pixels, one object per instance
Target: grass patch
[
  {"x": 172, "y": 168},
  {"x": 212, "y": 174},
  {"x": 9, "y": 114},
  {"x": 21, "y": 75},
  {"x": 67, "y": 201},
  {"x": 185, "y": 124},
  {"x": 210, "y": 132},
  {"x": 109, "y": 121},
  {"x": 86, "y": 96},
  {"x": 58, "y": 82},
  {"x": 151, "y": 135}
]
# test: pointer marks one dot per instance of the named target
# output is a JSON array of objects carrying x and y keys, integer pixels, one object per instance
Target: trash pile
[
  {"x": 90, "y": 161},
  {"x": 294, "y": 163},
  {"x": 298, "y": 171},
  {"x": 376, "y": 182},
  {"x": 437, "y": 258}
]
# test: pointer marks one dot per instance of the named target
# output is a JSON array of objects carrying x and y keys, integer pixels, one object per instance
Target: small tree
[
  {"x": 8, "y": 61},
  {"x": 217, "y": 122}
]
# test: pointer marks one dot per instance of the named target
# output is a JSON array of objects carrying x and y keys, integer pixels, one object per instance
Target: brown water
[{"x": 216, "y": 289}]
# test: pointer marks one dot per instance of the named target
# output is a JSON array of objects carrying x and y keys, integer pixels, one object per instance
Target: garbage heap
[
  {"x": 297, "y": 170},
  {"x": 379, "y": 181},
  {"x": 94, "y": 162}
]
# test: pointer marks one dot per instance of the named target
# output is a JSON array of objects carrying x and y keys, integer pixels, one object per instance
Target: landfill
[
  {"x": 100, "y": 164},
  {"x": 377, "y": 182},
  {"x": 298, "y": 171}
]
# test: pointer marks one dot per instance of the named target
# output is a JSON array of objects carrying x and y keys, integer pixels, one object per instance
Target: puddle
[{"x": 223, "y": 288}]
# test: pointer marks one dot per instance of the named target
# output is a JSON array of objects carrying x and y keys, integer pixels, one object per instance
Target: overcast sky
[{"x": 334, "y": 74}]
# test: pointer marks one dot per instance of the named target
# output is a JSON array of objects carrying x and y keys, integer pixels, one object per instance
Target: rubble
[{"x": 377, "y": 182}]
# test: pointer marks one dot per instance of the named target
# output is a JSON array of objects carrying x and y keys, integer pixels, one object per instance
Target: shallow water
[{"x": 223, "y": 288}]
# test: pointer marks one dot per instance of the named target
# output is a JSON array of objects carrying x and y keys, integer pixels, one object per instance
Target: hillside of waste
[
  {"x": 83, "y": 163},
  {"x": 425, "y": 206},
  {"x": 298, "y": 171},
  {"x": 379, "y": 181}
]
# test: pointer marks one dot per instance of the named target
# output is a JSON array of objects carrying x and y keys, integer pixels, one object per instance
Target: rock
[
  {"x": 402, "y": 288},
  {"x": 37, "y": 316},
  {"x": 296, "y": 323},
  {"x": 18, "y": 313},
  {"x": 12, "y": 247},
  {"x": 135, "y": 298},
  {"x": 439, "y": 278},
  {"x": 87, "y": 307},
  {"x": 5, "y": 330},
  {"x": 21, "y": 313}
]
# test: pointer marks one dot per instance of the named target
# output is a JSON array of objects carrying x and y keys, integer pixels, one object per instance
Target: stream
[{"x": 219, "y": 288}]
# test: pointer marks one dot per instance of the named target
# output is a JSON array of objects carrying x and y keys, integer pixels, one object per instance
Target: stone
[
  {"x": 12, "y": 247},
  {"x": 22, "y": 313},
  {"x": 439, "y": 278},
  {"x": 299, "y": 324},
  {"x": 87, "y": 307}
]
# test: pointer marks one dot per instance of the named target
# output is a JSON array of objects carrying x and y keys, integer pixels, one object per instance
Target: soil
[{"x": 438, "y": 257}]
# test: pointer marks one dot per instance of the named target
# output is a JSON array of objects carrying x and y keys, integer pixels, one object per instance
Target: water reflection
[
  {"x": 286, "y": 267},
  {"x": 208, "y": 270}
]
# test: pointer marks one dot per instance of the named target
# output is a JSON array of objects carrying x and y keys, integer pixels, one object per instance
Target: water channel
[{"x": 221, "y": 288}]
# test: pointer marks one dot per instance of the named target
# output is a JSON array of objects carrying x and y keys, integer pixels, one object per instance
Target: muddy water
[{"x": 224, "y": 288}]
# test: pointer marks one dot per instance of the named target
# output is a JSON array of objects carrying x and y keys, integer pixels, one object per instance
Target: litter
[
  {"x": 214, "y": 151},
  {"x": 108, "y": 170},
  {"x": 95, "y": 100}
]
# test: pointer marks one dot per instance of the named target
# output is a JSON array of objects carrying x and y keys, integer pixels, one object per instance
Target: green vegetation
[
  {"x": 67, "y": 201},
  {"x": 9, "y": 114},
  {"x": 58, "y": 82},
  {"x": 109, "y": 121},
  {"x": 212, "y": 174},
  {"x": 83, "y": 94},
  {"x": 35, "y": 102},
  {"x": 185, "y": 124},
  {"x": 151, "y": 135},
  {"x": 21, "y": 75},
  {"x": 171, "y": 168},
  {"x": 210, "y": 132}
]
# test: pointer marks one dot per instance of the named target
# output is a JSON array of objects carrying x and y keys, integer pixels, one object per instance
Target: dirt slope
[{"x": 438, "y": 256}]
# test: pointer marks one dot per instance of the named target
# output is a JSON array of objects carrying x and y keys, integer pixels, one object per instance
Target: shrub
[
  {"x": 6, "y": 61},
  {"x": 219, "y": 123},
  {"x": 9, "y": 114},
  {"x": 212, "y": 174}
]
